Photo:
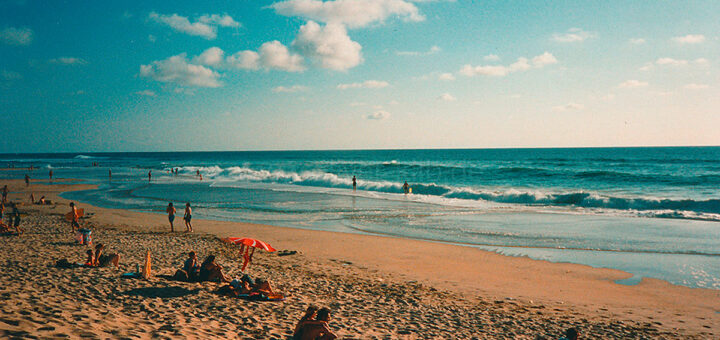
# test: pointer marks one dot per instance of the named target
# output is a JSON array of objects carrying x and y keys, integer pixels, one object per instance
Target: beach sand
[{"x": 377, "y": 287}]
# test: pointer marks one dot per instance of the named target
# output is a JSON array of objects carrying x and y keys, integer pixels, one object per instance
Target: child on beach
[
  {"x": 188, "y": 217},
  {"x": 171, "y": 215},
  {"x": 75, "y": 218}
]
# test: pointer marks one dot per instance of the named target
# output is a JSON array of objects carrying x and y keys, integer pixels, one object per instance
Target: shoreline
[{"x": 472, "y": 273}]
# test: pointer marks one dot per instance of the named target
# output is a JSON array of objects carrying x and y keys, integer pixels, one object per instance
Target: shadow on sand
[{"x": 162, "y": 292}]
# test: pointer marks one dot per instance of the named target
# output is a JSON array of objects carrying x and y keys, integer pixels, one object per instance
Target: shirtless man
[
  {"x": 188, "y": 217},
  {"x": 171, "y": 215},
  {"x": 75, "y": 217}
]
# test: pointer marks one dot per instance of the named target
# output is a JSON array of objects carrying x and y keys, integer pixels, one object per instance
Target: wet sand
[{"x": 376, "y": 286}]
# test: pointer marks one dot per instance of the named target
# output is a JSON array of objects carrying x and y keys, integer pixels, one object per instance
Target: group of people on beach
[
  {"x": 208, "y": 270},
  {"x": 314, "y": 325},
  {"x": 405, "y": 187},
  {"x": 13, "y": 219},
  {"x": 170, "y": 210},
  {"x": 99, "y": 259}
]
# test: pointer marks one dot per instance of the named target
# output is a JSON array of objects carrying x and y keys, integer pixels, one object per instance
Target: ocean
[{"x": 653, "y": 212}]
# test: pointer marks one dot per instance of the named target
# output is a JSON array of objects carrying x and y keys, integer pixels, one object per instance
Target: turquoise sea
[{"x": 653, "y": 212}]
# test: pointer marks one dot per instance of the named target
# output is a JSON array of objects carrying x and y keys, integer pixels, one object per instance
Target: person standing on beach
[
  {"x": 27, "y": 180},
  {"x": 188, "y": 217},
  {"x": 51, "y": 174},
  {"x": 16, "y": 220},
  {"x": 406, "y": 188},
  {"x": 149, "y": 175},
  {"x": 4, "y": 194},
  {"x": 74, "y": 218},
  {"x": 354, "y": 183},
  {"x": 171, "y": 215}
]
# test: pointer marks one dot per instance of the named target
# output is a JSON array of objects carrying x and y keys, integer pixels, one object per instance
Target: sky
[{"x": 356, "y": 74}]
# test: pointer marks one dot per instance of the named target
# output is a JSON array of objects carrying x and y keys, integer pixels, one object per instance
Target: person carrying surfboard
[{"x": 74, "y": 218}]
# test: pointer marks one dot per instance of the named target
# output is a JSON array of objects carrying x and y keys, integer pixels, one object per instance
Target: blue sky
[{"x": 357, "y": 74}]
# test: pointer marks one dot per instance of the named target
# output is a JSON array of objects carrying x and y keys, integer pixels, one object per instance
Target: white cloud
[
  {"x": 694, "y": 86},
  {"x": 637, "y": 41},
  {"x": 178, "y": 70},
  {"x": 522, "y": 64},
  {"x": 329, "y": 45},
  {"x": 573, "y": 35},
  {"x": 219, "y": 20},
  {"x": 291, "y": 89},
  {"x": 378, "y": 115},
  {"x": 274, "y": 55},
  {"x": 368, "y": 84},
  {"x": 671, "y": 61},
  {"x": 568, "y": 107},
  {"x": 213, "y": 56},
  {"x": 10, "y": 75},
  {"x": 353, "y": 13},
  {"x": 491, "y": 57},
  {"x": 446, "y": 76},
  {"x": 690, "y": 39},
  {"x": 432, "y": 50},
  {"x": 632, "y": 84},
  {"x": 447, "y": 97},
  {"x": 148, "y": 93},
  {"x": 68, "y": 61},
  {"x": 205, "y": 26},
  {"x": 22, "y": 36},
  {"x": 247, "y": 60},
  {"x": 701, "y": 61}
]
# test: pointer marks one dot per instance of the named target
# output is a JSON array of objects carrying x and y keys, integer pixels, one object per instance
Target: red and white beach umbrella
[{"x": 246, "y": 244}]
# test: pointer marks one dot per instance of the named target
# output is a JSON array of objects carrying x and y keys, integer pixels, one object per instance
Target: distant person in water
[
  {"x": 149, "y": 175},
  {"x": 188, "y": 218},
  {"x": 110, "y": 173},
  {"x": 406, "y": 188},
  {"x": 50, "y": 173},
  {"x": 171, "y": 215},
  {"x": 198, "y": 172},
  {"x": 27, "y": 180},
  {"x": 354, "y": 183},
  {"x": 75, "y": 217}
]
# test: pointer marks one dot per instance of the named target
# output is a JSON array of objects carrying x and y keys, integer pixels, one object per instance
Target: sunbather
[
  {"x": 211, "y": 271},
  {"x": 102, "y": 260},
  {"x": 310, "y": 314},
  {"x": 317, "y": 329}
]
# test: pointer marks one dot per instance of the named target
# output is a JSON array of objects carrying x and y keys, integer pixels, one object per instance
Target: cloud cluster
[
  {"x": 205, "y": 26},
  {"x": 177, "y": 69},
  {"x": 352, "y": 13},
  {"x": 147, "y": 93},
  {"x": 573, "y": 35},
  {"x": 447, "y": 97},
  {"x": 330, "y": 46},
  {"x": 665, "y": 61},
  {"x": 690, "y": 39},
  {"x": 68, "y": 61},
  {"x": 432, "y": 50},
  {"x": 377, "y": 115},
  {"x": 291, "y": 89},
  {"x": 637, "y": 41},
  {"x": 568, "y": 107},
  {"x": 522, "y": 64},
  {"x": 629, "y": 84},
  {"x": 10, "y": 75},
  {"x": 22, "y": 36},
  {"x": 368, "y": 84}
]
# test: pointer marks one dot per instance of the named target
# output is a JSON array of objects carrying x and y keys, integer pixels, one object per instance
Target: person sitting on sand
[
  {"x": 75, "y": 217},
  {"x": 170, "y": 210},
  {"x": 41, "y": 200},
  {"x": 310, "y": 314},
  {"x": 211, "y": 271},
  {"x": 318, "y": 328},
  {"x": 102, "y": 260},
  {"x": 188, "y": 217},
  {"x": 570, "y": 334},
  {"x": 90, "y": 258},
  {"x": 191, "y": 266}
]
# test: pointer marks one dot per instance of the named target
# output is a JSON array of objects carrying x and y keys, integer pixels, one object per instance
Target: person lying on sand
[
  {"x": 211, "y": 271},
  {"x": 318, "y": 328},
  {"x": 102, "y": 260},
  {"x": 310, "y": 314}
]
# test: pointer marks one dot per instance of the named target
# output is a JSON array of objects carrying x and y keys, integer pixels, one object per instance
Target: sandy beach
[{"x": 377, "y": 287}]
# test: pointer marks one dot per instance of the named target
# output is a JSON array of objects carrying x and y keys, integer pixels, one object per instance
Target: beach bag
[{"x": 180, "y": 275}]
